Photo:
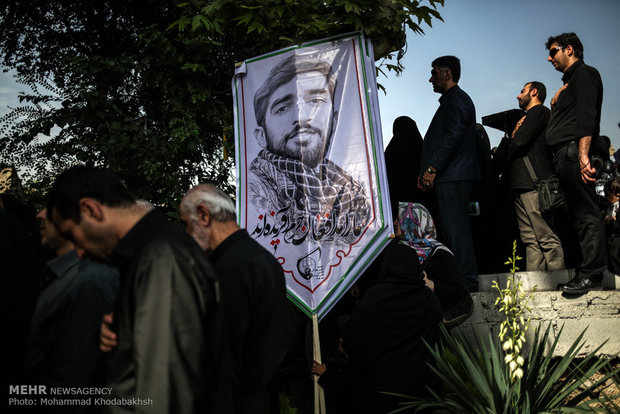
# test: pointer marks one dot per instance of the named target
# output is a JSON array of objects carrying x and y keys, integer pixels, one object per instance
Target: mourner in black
[
  {"x": 170, "y": 353},
  {"x": 573, "y": 128}
]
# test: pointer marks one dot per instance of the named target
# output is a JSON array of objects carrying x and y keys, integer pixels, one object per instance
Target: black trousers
[
  {"x": 582, "y": 209},
  {"x": 452, "y": 198}
]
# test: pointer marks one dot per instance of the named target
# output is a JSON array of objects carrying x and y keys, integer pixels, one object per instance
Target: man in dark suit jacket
[{"x": 449, "y": 164}]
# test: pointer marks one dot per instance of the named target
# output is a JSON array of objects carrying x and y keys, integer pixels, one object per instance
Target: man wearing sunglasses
[{"x": 573, "y": 128}]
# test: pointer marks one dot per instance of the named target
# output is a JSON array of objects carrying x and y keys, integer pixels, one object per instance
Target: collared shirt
[
  {"x": 63, "y": 346},
  {"x": 577, "y": 112},
  {"x": 450, "y": 142}
]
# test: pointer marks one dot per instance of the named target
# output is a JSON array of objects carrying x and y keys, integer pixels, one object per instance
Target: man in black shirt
[
  {"x": 253, "y": 295},
  {"x": 543, "y": 246},
  {"x": 574, "y": 124}
]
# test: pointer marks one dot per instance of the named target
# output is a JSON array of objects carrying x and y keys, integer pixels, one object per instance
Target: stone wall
[{"x": 598, "y": 311}]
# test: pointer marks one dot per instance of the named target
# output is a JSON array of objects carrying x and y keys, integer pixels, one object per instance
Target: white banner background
[{"x": 321, "y": 260}]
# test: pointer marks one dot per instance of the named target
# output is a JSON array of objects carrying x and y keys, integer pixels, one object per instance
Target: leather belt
[{"x": 554, "y": 149}]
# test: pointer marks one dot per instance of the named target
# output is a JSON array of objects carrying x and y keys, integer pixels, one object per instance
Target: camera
[{"x": 601, "y": 166}]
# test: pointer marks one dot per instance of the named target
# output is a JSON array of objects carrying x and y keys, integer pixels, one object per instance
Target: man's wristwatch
[{"x": 430, "y": 170}]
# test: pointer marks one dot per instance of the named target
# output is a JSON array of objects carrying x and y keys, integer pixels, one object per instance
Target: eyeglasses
[{"x": 554, "y": 50}]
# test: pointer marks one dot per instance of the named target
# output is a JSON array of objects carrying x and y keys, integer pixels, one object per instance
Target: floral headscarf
[{"x": 418, "y": 229}]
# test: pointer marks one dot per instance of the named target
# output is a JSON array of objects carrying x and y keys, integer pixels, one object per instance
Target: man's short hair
[
  {"x": 220, "y": 206},
  {"x": 449, "y": 62},
  {"x": 540, "y": 87},
  {"x": 81, "y": 181},
  {"x": 565, "y": 39},
  {"x": 283, "y": 73}
]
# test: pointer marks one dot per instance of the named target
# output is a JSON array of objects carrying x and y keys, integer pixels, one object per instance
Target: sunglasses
[{"x": 554, "y": 50}]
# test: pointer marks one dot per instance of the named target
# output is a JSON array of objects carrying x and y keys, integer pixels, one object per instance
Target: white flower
[
  {"x": 512, "y": 365},
  {"x": 518, "y": 373},
  {"x": 520, "y": 360},
  {"x": 507, "y": 345}
]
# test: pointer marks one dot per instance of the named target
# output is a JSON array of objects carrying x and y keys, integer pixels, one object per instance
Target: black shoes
[
  {"x": 459, "y": 312},
  {"x": 582, "y": 284}
]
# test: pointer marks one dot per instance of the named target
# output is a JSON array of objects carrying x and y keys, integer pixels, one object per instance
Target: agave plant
[
  {"x": 476, "y": 379},
  {"x": 493, "y": 376}
]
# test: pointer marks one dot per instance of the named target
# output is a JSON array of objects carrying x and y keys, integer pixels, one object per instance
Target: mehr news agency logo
[{"x": 41, "y": 395}]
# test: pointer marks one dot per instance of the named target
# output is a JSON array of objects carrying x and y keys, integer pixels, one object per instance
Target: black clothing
[
  {"x": 168, "y": 322},
  {"x": 450, "y": 145},
  {"x": 441, "y": 267},
  {"x": 450, "y": 141},
  {"x": 402, "y": 163},
  {"x": 63, "y": 345},
  {"x": 528, "y": 141},
  {"x": 254, "y": 297},
  {"x": 21, "y": 269},
  {"x": 583, "y": 212},
  {"x": 577, "y": 112},
  {"x": 385, "y": 337},
  {"x": 488, "y": 242},
  {"x": 613, "y": 245}
]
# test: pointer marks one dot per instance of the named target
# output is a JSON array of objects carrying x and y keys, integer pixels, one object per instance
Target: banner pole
[{"x": 319, "y": 394}]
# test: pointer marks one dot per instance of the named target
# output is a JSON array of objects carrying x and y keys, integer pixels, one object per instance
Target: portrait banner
[{"x": 311, "y": 183}]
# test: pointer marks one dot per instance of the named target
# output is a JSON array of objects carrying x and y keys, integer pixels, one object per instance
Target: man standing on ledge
[
  {"x": 449, "y": 164},
  {"x": 523, "y": 150},
  {"x": 574, "y": 124}
]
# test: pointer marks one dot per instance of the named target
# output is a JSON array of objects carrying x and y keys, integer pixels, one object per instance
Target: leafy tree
[{"x": 143, "y": 86}]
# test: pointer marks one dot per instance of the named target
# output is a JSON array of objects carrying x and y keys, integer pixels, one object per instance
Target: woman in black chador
[{"x": 384, "y": 340}]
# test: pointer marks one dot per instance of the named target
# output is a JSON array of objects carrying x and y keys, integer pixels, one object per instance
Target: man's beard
[
  {"x": 310, "y": 155},
  {"x": 523, "y": 103}
]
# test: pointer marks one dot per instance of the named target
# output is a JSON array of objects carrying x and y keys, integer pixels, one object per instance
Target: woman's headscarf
[{"x": 418, "y": 229}]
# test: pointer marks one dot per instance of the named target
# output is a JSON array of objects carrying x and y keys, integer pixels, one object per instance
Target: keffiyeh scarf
[{"x": 329, "y": 189}]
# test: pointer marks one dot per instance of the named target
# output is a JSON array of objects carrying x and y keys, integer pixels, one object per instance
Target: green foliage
[
  {"x": 477, "y": 380},
  {"x": 491, "y": 376},
  {"x": 285, "y": 405},
  {"x": 284, "y": 22},
  {"x": 143, "y": 87}
]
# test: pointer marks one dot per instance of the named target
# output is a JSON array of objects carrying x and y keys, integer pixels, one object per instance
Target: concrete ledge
[
  {"x": 542, "y": 281},
  {"x": 598, "y": 311}
]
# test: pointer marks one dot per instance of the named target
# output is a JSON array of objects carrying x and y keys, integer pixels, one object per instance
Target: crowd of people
[
  {"x": 161, "y": 320},
  {"x": 457, "y": 170}
]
